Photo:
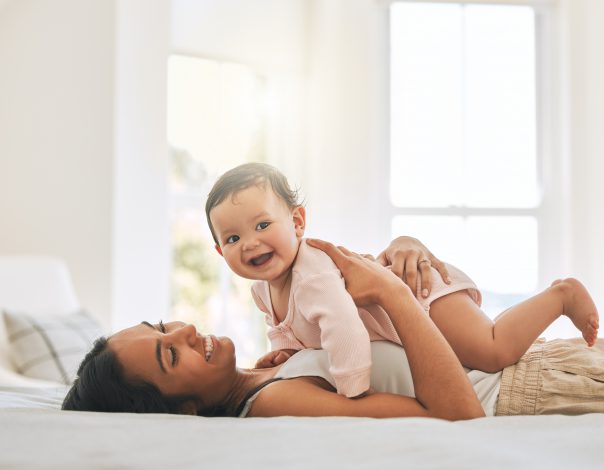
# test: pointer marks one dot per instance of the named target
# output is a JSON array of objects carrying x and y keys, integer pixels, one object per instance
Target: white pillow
[{"x": 50, "y": 347}]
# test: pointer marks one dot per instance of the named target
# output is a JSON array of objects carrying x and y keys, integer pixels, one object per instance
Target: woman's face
[{"x": 177, "y": 359}]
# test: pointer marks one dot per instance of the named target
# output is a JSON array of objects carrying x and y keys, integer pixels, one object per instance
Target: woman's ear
[
  {"x": 189, "y": 408},
  {"x": 299, "y": 218},
  {"x": 218, "y": 249}
]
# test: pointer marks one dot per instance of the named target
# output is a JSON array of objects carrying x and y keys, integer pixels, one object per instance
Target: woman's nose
[{"x": 187, "y": 333}]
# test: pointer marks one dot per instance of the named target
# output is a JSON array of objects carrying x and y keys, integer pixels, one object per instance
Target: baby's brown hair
[{"x": 242, "y": 177}]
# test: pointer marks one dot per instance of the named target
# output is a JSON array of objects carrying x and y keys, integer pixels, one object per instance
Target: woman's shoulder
[{"x": 290, "y": 397}]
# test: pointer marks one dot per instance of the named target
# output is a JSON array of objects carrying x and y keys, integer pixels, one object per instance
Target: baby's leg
[
  {"x": 481, "y": 343},
  {"x": 469, "y": 331}
]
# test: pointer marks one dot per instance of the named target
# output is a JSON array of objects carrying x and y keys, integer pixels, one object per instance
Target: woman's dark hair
[
  {"x": 101, "y": 386},
  {"x": 242, "y": 177}
]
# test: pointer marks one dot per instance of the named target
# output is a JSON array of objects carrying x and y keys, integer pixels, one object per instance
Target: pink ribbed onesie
[{"x": 322, "y": 315}]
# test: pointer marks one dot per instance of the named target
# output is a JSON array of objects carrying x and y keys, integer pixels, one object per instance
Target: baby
[{"x": 258, "y": 227}]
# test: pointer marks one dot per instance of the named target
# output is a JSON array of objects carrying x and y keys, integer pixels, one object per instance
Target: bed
[{"x": 36, "y": 433}]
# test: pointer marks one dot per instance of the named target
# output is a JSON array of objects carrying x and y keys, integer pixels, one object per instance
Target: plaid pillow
[{"x": 50, "y": 347}]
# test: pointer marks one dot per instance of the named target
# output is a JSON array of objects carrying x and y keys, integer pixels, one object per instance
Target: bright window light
[{"x": 463, "y": 105}]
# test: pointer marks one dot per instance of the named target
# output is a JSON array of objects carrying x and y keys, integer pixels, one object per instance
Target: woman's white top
[{"x": 390, "y": 373}]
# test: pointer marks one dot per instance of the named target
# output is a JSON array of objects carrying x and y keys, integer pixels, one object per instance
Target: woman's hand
[
  {"x": 405, "y": 256},
  {"x": 366, "y": 280}
]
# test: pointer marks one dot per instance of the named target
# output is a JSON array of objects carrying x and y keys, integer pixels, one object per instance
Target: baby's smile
[{"x": 262, "y": 259}]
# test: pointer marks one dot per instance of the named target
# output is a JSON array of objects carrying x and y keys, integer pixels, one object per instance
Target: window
[
  {"x": 467, "y": 139},
  {"x": 215, "y": 121}
]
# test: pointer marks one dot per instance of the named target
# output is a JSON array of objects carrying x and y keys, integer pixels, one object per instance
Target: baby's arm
[
  {"x": 274, "y": 358},
  {"x": 323, "y": 300},
  {"x": 283, "y": 346}
]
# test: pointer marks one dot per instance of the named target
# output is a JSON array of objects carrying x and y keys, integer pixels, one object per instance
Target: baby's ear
[
  {"x": 218, "y": 249},
  {"x": 299, "y": 218}
]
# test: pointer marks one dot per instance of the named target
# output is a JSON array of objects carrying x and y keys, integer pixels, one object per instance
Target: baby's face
[{"x": 258, "y": 234}]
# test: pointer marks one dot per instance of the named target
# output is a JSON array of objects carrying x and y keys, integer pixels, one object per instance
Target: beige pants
[{"x": 554, "y": 377}]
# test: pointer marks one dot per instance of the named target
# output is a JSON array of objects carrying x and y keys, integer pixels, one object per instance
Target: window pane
[
  {"x": 463, "y": 105},
  {"x": 498, "y": 253},
  {"x": 499, "y": 90}
]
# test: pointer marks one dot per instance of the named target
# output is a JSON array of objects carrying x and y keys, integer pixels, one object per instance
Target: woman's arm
[
  {"x": 304, "y": 397},
  {"x": 405, "y": 257},
  {"x": 442, "y": 388}
]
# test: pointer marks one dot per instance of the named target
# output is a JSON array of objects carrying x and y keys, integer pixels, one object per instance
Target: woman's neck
[{"x": 246, "y": 381}]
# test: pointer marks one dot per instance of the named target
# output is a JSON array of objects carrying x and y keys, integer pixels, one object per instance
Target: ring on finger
[{"x": 423, "y": 261}]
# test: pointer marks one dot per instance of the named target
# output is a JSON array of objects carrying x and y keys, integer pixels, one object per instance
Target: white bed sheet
[{"x": 34, "y": 435}]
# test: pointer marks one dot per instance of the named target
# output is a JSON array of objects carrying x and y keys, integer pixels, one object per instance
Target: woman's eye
[
  {"x": 262, "y": 225},
  {"x": 232, "y": 239},
  {"x": 174, "y": 355}
]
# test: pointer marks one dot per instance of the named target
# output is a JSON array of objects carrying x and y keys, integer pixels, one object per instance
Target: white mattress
[{"x": 34, "y": 433}]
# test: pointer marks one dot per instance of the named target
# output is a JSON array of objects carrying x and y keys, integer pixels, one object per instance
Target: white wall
[
  {"x": 56, "y": 137},
  {"x": 141, "y": 250},
  {"x": 83, "y": 154},
  {"x": 347, "y": 122},
  {"x": 585, "y": 35},
  {"x": 265, "y": 34}
]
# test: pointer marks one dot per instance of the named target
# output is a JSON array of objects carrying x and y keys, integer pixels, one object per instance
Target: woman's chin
[{"x": 226, "y": 343}]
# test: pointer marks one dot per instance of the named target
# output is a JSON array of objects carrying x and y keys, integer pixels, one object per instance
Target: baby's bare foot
[{"x": 580, "y": 308}]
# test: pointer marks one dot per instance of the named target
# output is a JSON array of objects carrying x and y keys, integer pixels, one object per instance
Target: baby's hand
[{"x": 274, "y": 358}]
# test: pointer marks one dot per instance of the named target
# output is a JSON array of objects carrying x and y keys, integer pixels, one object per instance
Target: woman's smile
[{"x": 209, "y": 346}]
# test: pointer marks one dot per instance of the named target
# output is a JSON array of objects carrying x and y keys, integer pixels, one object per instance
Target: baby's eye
[
  {"x": 232, "y": 239},
  {"x": 262, "y": 225}
]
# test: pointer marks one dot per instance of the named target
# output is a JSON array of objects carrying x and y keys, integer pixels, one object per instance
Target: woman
[{"x": 172, "y": 368}]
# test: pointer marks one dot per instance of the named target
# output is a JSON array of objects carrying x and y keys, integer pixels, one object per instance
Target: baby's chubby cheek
[{"x": 233, "y": 263}]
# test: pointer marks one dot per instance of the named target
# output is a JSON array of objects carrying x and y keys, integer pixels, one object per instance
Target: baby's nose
[{"x": 250, "y": 243}]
